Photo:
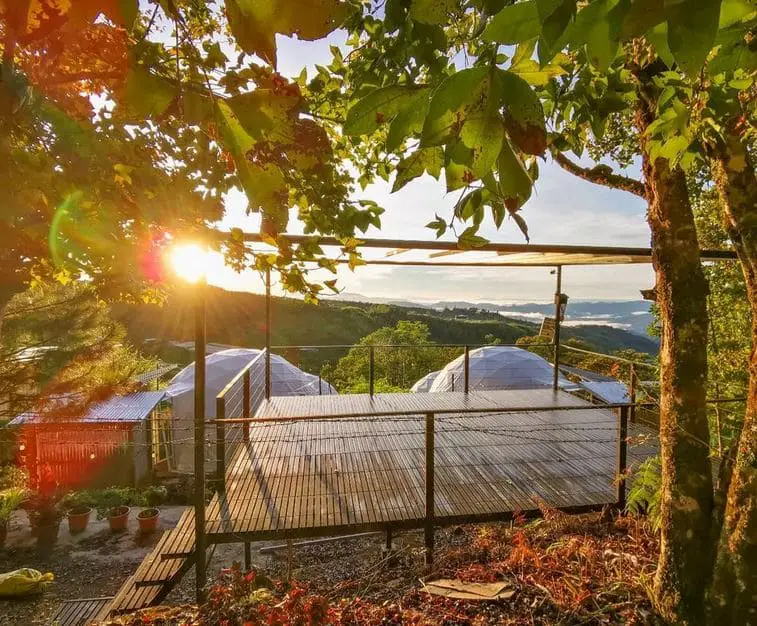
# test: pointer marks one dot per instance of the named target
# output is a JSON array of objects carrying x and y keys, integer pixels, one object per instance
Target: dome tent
[
  {"x": 220, "y": 368},
  {"x": 424, "y": 384},
  {"x": 498, "y": 367}
]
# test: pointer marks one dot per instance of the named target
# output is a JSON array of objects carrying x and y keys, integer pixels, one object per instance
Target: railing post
[
  {"x": 428, "y": 531},
  {"x": 466, "y": 369},
  {"x": 220, "y": 444},
  {"x": 632, "y": 394},
  {"x": 621, "y": 458},
  {"x": 199, "y": 443},
  {"x": 268, "y": 334},
  {"x": 246, "y": 405},
  {"x": 371, "y": 364},
  {"x": 556, "y": 336}
]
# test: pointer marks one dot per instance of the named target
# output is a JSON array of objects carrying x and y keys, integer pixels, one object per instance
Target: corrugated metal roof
[
  {"x": 133, "y": 407},
  {"x": 156, "y": 373}
]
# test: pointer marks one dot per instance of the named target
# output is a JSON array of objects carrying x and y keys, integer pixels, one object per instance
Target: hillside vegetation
[{"x": 238, "y": 318}]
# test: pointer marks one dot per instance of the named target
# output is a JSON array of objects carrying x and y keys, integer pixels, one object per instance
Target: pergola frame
[{"x": 555, "y": 256}]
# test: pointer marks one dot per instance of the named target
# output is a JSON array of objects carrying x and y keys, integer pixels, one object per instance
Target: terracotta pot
[
  {"x": 148, "y": 520},
  {"x": 118, "y": 516},
  {"x": 3, "y": 531},
  {"x": 78, "y": 518}
]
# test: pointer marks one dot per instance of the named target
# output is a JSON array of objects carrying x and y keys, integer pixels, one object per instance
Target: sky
[{"x": 562, "y": 210}]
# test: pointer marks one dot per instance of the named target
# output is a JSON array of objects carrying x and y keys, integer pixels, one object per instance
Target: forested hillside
[{"x": 237, "y": 318}]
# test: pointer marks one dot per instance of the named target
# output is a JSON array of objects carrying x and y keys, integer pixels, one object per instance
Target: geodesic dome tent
[
  {"x": 220, "y": 368},
  {"x": 424, "y": 384},
  {"x": 498, "y": 367}
]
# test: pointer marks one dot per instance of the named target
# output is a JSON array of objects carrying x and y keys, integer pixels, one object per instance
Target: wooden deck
[
  {"x": 393, "y": 404},
  {"x": 319, "y": 476},
  {"x": 304, "y": 473}
]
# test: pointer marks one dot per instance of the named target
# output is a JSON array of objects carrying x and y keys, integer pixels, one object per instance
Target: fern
[{"x": 644, "y": 494}]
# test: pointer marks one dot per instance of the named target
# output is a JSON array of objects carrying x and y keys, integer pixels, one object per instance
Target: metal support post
[
  {"x": 621, "y": 460},
  {"x": 199, "y": 441},
  {"x": 556, "y": 341},
  {"x": 220, "y": 444},
  {"x": 428, "y": 531},
  {"x": 466, "y": 369},
  {"x": 371, "y": 366},
  {"x": 268, "y": 334}
]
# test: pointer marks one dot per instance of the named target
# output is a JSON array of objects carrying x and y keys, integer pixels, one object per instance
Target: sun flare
[{"x": 189, "y": 261}]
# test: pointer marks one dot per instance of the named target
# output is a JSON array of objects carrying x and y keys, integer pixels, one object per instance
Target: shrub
[{"x": 644, "y": 494}]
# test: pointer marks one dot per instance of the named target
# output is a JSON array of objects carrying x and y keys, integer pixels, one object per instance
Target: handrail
[
  {"x": 408, "y": 345},
  {"x": 460, "y": 411},
  {"x": 240, "y": 374},
  {"x": 620, "y": 359}
]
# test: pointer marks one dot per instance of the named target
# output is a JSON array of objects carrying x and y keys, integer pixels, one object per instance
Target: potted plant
[
  {"x": 118, "y": 517},
  {"x": 148, "y": 517},
  {"x": 10, "y": 499},
  {"x": 44, "y": 509},
  {"x": 78, "y": 511}
]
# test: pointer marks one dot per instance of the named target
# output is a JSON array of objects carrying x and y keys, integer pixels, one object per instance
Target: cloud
[{"x": 562, "y": 210}]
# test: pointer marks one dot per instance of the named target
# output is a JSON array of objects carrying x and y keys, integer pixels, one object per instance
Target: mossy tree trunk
[
  {"x": 733, "y": 598},
  {"x": 685, "y": 563}
]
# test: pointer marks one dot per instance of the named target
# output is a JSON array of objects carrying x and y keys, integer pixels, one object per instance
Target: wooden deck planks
[
  {"x": 304, "y": 475},
  {"x": 310, "y": 475}
]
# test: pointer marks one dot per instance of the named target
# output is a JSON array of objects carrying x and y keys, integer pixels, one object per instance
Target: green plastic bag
[{"x": 24, "y": 582}]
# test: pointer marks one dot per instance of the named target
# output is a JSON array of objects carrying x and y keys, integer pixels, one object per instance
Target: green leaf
[
  {"x": 692, "y": 27},
  {"x": 255, "y": 23},
  {"x": 457, "y": 158},
  {"x": 514, "y": 182},
  {"x": 433, "y": 12},
  {"x": 555, "y": 16},
  {"x": 734, "y": 11},
  {"x": 463, "y": 95},
  {"x": 263, "y": 185},
  {"x": 439, "y": 225},
  {"x": 379, "y": 107},
  {"x": 658, "y": 37},
  {"x": 595, "y": 28},
  {"x": 409, "y": 120},
  {"x": 265, "y": 114},
  {"x": 422, "y": 160},
  {"x": 530, "y": 71},
  {"x": 514, "y": 24},
  {"x": 146, "y": 94},
  {"x": 237, "y": 141},
  {"x": 524, "y": 117},
  {"x": 483, "y": 135},
  {"x": 196, "y": 107},
  {"x": 643, "y": 15},
  {"x": 468, "y": 239}
]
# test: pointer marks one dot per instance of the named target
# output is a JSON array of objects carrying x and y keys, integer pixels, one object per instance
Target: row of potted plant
[
  {"x": 114, "y": 504},
  {"x": 47, "y": 505}
]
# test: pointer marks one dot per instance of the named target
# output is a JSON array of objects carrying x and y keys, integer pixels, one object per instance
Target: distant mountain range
[{"x": 632, "y": 315}]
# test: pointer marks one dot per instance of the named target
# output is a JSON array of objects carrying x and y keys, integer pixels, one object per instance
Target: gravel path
[{"x": 97, "y": 563}]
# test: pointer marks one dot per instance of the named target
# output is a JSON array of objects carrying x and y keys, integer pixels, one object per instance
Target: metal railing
[
  {"x": 466, "y": 347},
  {"x": 430, "y": 521},
  {"x": 240, "y": 398}
]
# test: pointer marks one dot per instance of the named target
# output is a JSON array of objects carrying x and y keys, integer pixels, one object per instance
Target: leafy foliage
[
  {"x": 60, "y": 340},
  {"x": 395, "y": 369},
  {"x": 644, "y": 492}
]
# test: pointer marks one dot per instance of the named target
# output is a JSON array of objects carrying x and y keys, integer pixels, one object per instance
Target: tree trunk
[
  {"x": 685, "y": 562},
  {"x": 733, "y": 597}
]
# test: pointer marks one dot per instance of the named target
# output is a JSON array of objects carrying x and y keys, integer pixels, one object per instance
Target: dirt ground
[{"x": 95, "y": 564}]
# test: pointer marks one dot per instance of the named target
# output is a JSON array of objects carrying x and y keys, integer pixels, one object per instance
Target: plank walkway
[
  {"x": 313, "y": 477},
  {"x": 319, "y": 476}
]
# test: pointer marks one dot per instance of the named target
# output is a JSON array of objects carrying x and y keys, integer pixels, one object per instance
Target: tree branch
[
  {"x": 62, "y": 79},
  {"x": 600, "y": 175}
]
